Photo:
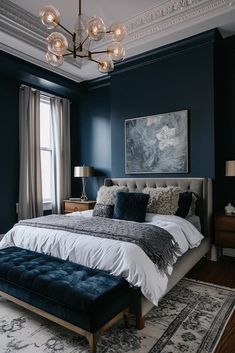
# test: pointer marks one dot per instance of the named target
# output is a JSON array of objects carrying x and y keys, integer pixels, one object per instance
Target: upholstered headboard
[{"x": 200, "y": 186}]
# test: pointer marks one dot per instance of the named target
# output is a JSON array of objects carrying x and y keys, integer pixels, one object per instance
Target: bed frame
[{"x": 203, "y": 188}]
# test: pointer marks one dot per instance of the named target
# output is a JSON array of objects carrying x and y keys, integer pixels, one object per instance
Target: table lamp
[
  {"x": 230, "y": 171},
  {"x": 83, "y": 172},
  {"x": 230, "y": 168}
]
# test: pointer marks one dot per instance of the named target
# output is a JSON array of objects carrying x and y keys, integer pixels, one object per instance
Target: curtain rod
[{"x": 22, "y": 86}]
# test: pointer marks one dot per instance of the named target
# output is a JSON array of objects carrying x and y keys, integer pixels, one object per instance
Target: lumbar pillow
[
  {"x": 131, "y": 206},
  {"x": 185, "y": 200},
  {"x": 101, "y": 210},
  {"x": 107, "y": 194},
  {"x": 163, "y": 200}
]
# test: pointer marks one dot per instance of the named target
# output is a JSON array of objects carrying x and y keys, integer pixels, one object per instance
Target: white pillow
[
  {"x": 107, "y": 194},
  {"x": 163, "y": 200}
]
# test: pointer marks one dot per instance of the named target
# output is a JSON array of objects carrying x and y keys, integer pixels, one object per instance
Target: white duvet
[{"x": 117, "y": 257}]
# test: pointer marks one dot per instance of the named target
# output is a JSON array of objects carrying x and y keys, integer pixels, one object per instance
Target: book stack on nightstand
[
  {"x": 225, "y": 230},
  {"x": 78, "y": 205}
]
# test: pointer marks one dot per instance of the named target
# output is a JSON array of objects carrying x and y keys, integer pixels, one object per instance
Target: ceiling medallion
[{"x": 86, "y": 30}]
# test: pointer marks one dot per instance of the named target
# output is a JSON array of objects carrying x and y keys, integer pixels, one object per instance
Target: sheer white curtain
[
  {"x": 61, "y": 160},
  {"x": 30, "y": 184}
]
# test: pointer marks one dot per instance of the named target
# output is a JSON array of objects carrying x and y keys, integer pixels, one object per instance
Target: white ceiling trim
[{"x": 167, "y": 18}]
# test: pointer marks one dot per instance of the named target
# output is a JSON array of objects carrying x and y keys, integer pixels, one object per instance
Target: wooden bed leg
[
  {"x": 126, "y": 320},
  {"x": 92, "y": 339},
  {"x": 140, "y": 322}
]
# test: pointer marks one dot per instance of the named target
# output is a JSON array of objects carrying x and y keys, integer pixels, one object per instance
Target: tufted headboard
[{"x": 200, "y": 186}]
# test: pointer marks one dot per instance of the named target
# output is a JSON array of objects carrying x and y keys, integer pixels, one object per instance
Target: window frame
[{"x": 47, "y": 203}]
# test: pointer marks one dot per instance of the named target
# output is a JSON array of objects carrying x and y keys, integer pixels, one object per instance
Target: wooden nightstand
[
  {"x": 73, "y": 206},
  {"x": 225, "y": 230}
]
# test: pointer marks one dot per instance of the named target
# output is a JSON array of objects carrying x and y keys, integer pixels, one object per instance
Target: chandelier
[{"x": 86, "y": 31}]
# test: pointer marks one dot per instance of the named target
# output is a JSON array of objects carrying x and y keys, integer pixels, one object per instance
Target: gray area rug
[{"x": 190, "y": 318}]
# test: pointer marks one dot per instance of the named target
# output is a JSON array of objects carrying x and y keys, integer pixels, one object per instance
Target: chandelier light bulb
[
  {"x": 57, "y": 43},
  {"x": 118, "y": 31},
  {"x": 50, "y": 16},
  {"x": 105, "y": 65},
  {"x": 54, "y": 60},
  {"x": 116, "y": 51},
  {"x": 96, "y": 28}
]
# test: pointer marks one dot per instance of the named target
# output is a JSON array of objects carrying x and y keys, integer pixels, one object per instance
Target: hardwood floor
[{"x": 221, "y": 273}]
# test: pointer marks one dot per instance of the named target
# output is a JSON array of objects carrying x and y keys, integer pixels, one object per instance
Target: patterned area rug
[{"x": 190, "y": 318}]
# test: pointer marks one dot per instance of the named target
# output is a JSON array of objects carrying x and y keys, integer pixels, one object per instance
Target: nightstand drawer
[
  {"x": 225, "y": 223},
  {"x": 70, "y": 206},
  {"x": 225, "y": 239}
]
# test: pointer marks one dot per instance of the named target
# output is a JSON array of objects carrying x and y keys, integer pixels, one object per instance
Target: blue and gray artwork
[{"x": 157, "y": 143}]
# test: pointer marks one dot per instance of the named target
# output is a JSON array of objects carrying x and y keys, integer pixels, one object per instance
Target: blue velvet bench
[{"x": 84, "y": 300}]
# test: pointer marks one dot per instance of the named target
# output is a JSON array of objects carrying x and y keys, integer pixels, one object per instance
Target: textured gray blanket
[{"x": 156, "y": 242}]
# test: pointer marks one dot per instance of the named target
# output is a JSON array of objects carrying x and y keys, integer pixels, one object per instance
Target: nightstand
[
  {"x": 73, "y": 206},
  {"x": 225, "y": 230}
]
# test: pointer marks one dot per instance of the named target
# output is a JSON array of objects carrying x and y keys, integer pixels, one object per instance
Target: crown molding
[
  {"x": 172, "y": 14},
  {"x": 148, "y": 27}
]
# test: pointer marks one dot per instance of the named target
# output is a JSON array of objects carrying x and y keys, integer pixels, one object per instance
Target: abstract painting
[{"x": 157, "y": 143}]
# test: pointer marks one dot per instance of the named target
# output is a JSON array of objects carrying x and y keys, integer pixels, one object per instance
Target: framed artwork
[{"x": 157, "y": 143}]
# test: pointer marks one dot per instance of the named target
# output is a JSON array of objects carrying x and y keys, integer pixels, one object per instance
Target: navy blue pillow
[
  {"x": 131, "y": 206},
  {"x": 185, "y": 200}
]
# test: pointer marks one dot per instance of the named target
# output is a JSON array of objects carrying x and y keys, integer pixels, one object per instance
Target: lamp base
[{"x": 83, "y": 196}]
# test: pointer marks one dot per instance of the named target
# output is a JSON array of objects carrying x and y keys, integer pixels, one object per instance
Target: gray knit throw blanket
[{"x": 156, "y": 242}]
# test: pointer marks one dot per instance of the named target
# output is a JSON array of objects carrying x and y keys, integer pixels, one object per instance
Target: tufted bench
[{"x": 85, "y": 300}]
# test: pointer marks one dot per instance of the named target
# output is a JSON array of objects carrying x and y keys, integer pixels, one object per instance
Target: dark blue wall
[
  {"x": 176, "y": 77},
  {"x": 14, "y": 72},
  {"x": 9, "y": 151},
  {"x": 176, "y": 82},
  {"x": 91, "y": 137}
]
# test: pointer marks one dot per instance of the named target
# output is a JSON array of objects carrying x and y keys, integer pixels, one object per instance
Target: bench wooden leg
[
  {"x": 93, "y": 339},
  {"x": 140, "y": 322}
]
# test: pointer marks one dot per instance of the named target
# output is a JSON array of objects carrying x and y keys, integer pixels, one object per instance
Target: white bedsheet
[{"x": 117, "y": 257}]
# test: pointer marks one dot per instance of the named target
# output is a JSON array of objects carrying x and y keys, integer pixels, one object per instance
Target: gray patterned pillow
[
  {"x": 101, "y": 210},
  {"x": 163, "y": 200},
  {"x": 107, "y": 194}
]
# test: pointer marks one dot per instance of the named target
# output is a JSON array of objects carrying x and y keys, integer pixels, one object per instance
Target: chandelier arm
[
  {"x": 65, "y": 29},
  {"x": 84, "y": 40},
  {"x": 95, "y": 61},
  {"x": 99, "y": 52},
  {"x": 82, "y": 56},
  {"x": 71, "y": 53},
  {"x": 80, "y": 8}
]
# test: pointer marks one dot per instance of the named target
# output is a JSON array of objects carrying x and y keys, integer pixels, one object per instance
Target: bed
[{"x": 55, "y": 242}]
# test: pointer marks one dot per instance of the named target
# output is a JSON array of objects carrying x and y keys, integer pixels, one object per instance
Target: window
[{"x": 46, "y": 151}]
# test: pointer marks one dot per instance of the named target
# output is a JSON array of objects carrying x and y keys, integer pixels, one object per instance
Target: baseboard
[{"x": 229, "y": 252}]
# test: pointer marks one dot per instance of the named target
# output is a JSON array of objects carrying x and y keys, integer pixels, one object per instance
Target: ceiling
[{"x": 150, "y": 24}]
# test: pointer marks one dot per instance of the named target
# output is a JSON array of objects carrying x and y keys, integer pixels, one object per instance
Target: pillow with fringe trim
[
  {"x": 163, "y": 200},
  {"x": 107, "y": 194}
]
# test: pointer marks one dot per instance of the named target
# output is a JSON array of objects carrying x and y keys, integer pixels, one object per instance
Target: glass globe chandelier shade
[
  {"x": 86, "y": 30},
  {"x": 54, "y": 60},
  {"x": 118, "y": 31},
  {"x": 105, "y": 65},
  {"x": 116, "y": 51},
  {"x": 96, "y": 28},
  {"x": 57, "y": 43},
  {"x": 50, "y": 16}
]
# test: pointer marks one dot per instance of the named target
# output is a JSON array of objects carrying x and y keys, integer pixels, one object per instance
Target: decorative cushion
[
  {"x": 163, "y": 200},
  {"x": 185, "y": 200},
  {"x": 131, "y": 206},
  {"x": 192, "y": 209},
  {"x": 101, "y": 210},
  {"x": 107, "y": 194}
]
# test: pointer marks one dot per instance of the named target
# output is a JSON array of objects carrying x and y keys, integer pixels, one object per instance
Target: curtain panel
[
  {"x": 61, "y": 159},
  {"x": 30, "y": 184}
]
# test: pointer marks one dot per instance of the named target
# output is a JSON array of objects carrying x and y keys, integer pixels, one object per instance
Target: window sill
[{"x": 47, "y": 206}]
